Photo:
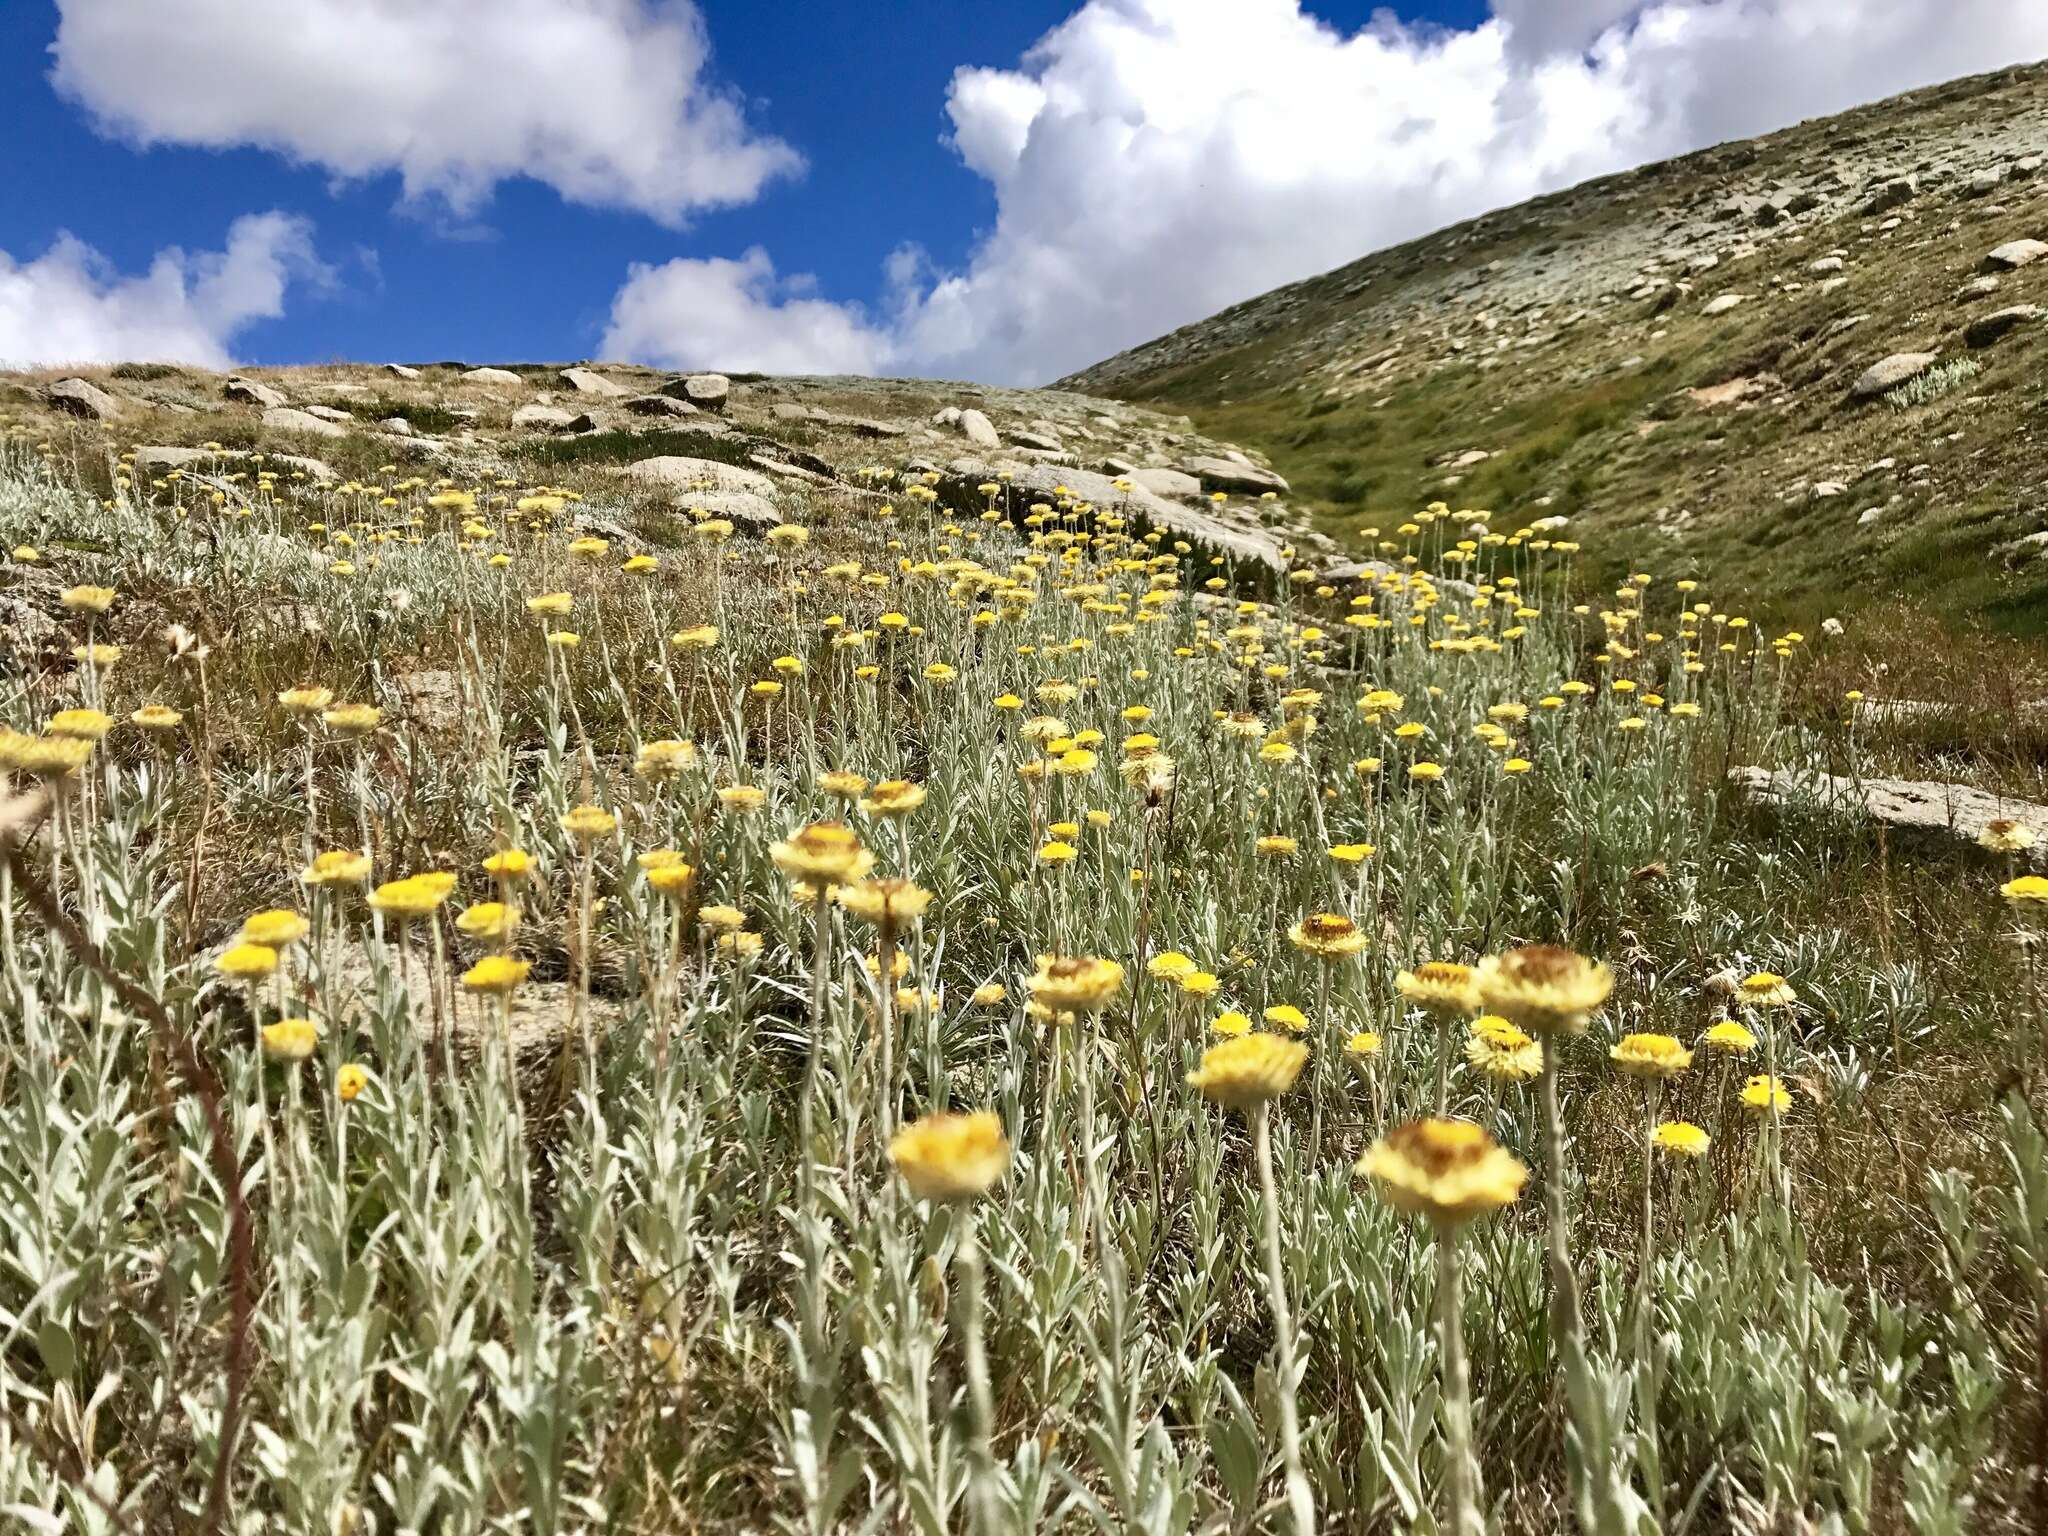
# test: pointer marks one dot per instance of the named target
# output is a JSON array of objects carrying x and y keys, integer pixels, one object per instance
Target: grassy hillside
[{"x": 1584, "y": 344}]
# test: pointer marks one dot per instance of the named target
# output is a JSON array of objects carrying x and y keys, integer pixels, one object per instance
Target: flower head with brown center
[
  {"x": 1327, "y": 936},
  {"x": 1249, "y": 1070},
  {"x": 1657, "y": 1056},
  {"x": 947, "y": 1157},
  {"x": 1545, "y": 989},
  {"x": 1076, "y": 984},
  {"x": 1441, "y": 986},
  {"x": 1447, "y": 1170}
]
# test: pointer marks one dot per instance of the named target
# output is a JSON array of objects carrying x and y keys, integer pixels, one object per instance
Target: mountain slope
[{"x": 1675, "y": 351}]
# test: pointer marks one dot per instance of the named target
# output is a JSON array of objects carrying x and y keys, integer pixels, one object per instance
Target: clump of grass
[{"x": 1925, "y": 388}]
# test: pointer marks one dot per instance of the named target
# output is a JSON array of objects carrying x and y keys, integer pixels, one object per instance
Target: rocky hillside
[
  {"x": 1809, "y": 364},
  {"x": 643, "y": 446}
]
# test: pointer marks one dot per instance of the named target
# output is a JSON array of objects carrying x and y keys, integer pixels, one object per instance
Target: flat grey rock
[
  {"x": 1954, "y": 811},
  {"x": 1037, "y": 482},
  {"x": 1172, "y": 483},
  {"x": 492, "y": 376},
  {"x": 689, "y": 478},
  {"x": 1889, "y": 373},
  {"x": 2014, "y": 254},
  {"x": 400, "y": 371},
  {"x": 586, "y": 382},
  {"x": 80, "y": 397},
  {"x": 978, "y": 429},
  {"x": 250, "y": 392},
  {"x": 659, "y": 405},
  {"x": 285, "y": 419},
  {"x": 1986, "y": 329},
  {"x": 1233, "y": 475},
  {"x": 541, "y": 418}
]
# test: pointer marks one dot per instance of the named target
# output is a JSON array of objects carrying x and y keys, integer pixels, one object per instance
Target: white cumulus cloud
[
  {"x": 715, "y": 313},
  {"x": 1154, "y": 161},
  {"x": 70, "y": 305},
  {"x": 606, "y": 101}
]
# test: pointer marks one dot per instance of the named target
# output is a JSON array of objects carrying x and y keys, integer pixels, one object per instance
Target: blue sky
[{"x": 1127, "y": 177}]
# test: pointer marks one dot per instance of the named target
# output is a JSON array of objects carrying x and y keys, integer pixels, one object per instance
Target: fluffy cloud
[
  {"x": 715, "y": 313},
  {"x": 606, "y": 101},
  {"x": 70, "y": 306},
  {"x": 1155, "y": 161}
]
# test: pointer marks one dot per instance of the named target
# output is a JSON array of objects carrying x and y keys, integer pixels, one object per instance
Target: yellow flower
[
  {"x": 1169, "y": 965},
  {"x": 496, "y": 975},
  {"x": 659, "y": 760},
  {"x": 1764, "y": 1094},
  {"x": 825, "y": 852},
  {"x": 1288, "y": 1017},
  {"x": 946, "y": 1157},
  {"x": 342, "y": 866},
  {"x": 508, "y": 864},
  {"x": 1447, "y": 1170},
  {"x": 157, "y": 717},
  {"x": 1274, "y": 847},
  {"x": 290, "y": 1040},
  {"x": 699, "y": 637},
  {"x": 1362, "y": 1046},
  {"x": 1056, "y": 852},
  {"x": 737, "y": 947},
  {"x": 551, "y": 605},
  {"x": 722, "y": 919},
  {"x": 1728, "y": 1038},
  {"x": 1650, "y": 1056},
  {"x": 353, "y": 719},
  {"x": 1767, "y": 990},
  {"x": 350, "y": 1081},
  {"x": 1351, "y": 853},
  {"x": 415, "y": 896},
  {"x": 886, "y": 903},
  {"x": 2002, "y": 836},
  {"x": 989, "y": 994},
  {"x": 1425, "y": 772},
  {"x": 1441, "y": 986},
  {"x": 96, "y": 655},
  {"x": 587, "y": 823},
  {"x": 276, "y": 929},
  {"x": 893, "y": 797},
  {"x": 1543, "y": 988},
  {"x": 88, "y": 599},
  {"x": 491, "y": 920},
  {"x": 2026, "y": 891},
  {"x": 80, "y": 724},
  {"x": 247, "y": 962},
  {"x": 742, "y": 798},
  {"x": 1327, "y": 935},
  {"x": 1681, "y": 1138},
  {"x": 563, "y": 639},
  {"x": 1503, "y": 1052},
  {"x": 1249, "y": 1070},
  {"x": 845, "y": 785},
  {"x": 1071, "y": 984},
  {"x": 1200, "y": 983},
  {"x": 1230, "y": 1024}
]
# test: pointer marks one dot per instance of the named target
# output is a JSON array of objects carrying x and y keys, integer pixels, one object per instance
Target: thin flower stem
[
  {"x": 1462, "y": 1473},
  {"x": 1300, "y": 1500},
  {"x": 981, "y": 1469}
]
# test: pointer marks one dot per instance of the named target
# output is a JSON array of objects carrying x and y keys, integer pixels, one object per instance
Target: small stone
[
  {"x": 707, "y": 391},
  {"x": 493, "y": 376},
  {"x": 249, "y": 392},
  {"x": 1891, "y": 193},
  {"x": 397, "y": 426},
  {"x": 1889, "y": 373},
  {"x": 400, "y": 371},
  {"x": 1986, "y": 329},
  {"x": 285, "y": 419},
  {"x": 541, "y": 418},
  {"x": 660, "y": 405},
  {"x": 1978, "y": 288},
  {"x": 1825, "y": 265},
  {"x": 585, "y": 382},
  {"x": 1868, "y": 516},
  {"x": 2014, "y": 254},
  {"x": 1722, "y": 304}
]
